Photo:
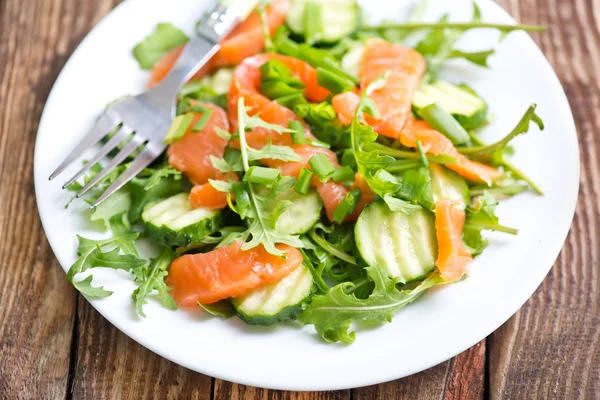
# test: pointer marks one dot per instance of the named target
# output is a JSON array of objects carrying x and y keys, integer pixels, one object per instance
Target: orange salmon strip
[
  {"x": 452, "y": 258},
  {"x": 406, "y": 68},
  {"x": 191, "y": 154},
  {"x": 227, "y": 272},
  {"x": 244, "y": 41},
  {"x": 435, "y": 143}
]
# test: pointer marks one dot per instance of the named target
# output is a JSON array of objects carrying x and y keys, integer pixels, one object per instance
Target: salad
[{"x": 318, "y": 170}]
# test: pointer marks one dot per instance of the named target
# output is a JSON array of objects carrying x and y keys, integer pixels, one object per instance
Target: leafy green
[
  {"x": 117, "y": 204},
  {"x": 481, "y": 215},
  {"x": 416, "y": 187},
  {"x": 261, "y": 227},
  {"x": 197, "y": 90},
  {"x": 154, "y": 46},
  {"x": 522, "y": 127},
  {"x": 221, "y": 308},
  {"x": 85, "y": 287},
  {"x": 120, "y": 254},
  {"x": 334, "y": 312},
  {"x": 152, "y": 278}
]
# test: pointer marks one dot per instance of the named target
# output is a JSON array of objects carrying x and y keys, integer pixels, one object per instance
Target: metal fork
[{"x": 141, "y": 122}]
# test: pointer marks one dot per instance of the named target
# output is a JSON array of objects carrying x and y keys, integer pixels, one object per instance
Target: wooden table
[{"x": 53, "y": 344}]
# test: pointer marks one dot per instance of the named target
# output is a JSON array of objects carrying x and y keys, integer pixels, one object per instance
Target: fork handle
[{"x": 213, "y": 27}]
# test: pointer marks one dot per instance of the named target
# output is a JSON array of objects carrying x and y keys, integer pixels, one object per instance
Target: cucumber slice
[
  {"x": 448, "y": 185},
  {"x": 173, "y": 222},
  {"x": 220, "y": 81},
  {"x": 303, "y": 213},
  {"x": 460, "y": 101},
  {"x": 403, "y": 243},
  {"x": 352, "y": 60},
  {"x": 339, "y": 18},
  {"x": 279, "y": 301}
]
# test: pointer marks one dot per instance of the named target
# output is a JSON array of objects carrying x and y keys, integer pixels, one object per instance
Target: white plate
[{"x": 441, "y": 324}]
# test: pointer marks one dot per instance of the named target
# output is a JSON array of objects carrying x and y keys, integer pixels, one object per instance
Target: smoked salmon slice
[
  {"x": 191, "y": 154},
  {"x": 206, "y": 196},
  {"x": 244, "y": 41},
  {"x": 246, "y": 84},
  {"x": 227, "y": 272},
  {"x": 435, "y": 143},
  {"x": 453, "y": 257},
  {"x": 405, "y": 67}
]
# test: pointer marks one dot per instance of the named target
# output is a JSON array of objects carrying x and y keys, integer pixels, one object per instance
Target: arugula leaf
[
  {"x": 156, "y": 175},
  {"x": 334, "y": 312},
  {"x": 416, "y": 187},
  {"x": 273, "y": 152},
  {"x": 85, "y": 287},
  {"x": 113, "y": 259},
  {"x": 500, "y": 150},
  {"x": 221, "y": 308},
  {"x": 164, "y": 38},
  {"x": 152, "y": 278},
  {"x": 481, "y": 215},
  {"x": 255, "y": 209},
  {"x": 117, "y": 204},
  {"x": 522, "y": 127},
  {"x": 396, "y": 204}
]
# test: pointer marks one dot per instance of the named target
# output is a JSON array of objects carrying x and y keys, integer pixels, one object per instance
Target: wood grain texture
[
  {"x": 459, "y": 378},
  {"x": 109, "y": 365},
  {"x": 53, "y": 344},
  {"x": 37, "y": 305},
  {"x": 551, "y": 348}
]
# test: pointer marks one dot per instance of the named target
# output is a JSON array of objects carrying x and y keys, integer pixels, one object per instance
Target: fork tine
[
  {"x": 102, "y": 126},
  {"x": 113, "y": 142},
  {"x": 129, "y": 148},
  {"x": 145, "y": 158}
]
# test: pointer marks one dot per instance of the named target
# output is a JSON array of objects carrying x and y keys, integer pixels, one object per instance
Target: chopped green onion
[
  {"x": 402, "y": 165},
  {"x": 274, "y": 69},
  {"x": 243, "y": 205},
  {"x": 333, "y": 82},
  {"x": 178, "y": 128},
  {"x": 313, "y": 22},
  {"x": 444, "y": 122},
  {"x": 348, "y": 158},
  {"x": 313, "y": 56},
  {"x": 261, "y": 175},
  {"x": 201, "y": 124},
  {"x": 297, "y": 132},
  {"x": 291, "y": 100},
  {"x": 343, "y": 174},
  {"x": 347, "y": 206},
  {"x": 304, "y": 180},
  {"x": 318, "y": 143},
  {"x": 322, "y": 167}
]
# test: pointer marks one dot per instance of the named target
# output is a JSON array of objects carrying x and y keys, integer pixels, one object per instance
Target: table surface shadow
[{"x": 54, "y": 345}]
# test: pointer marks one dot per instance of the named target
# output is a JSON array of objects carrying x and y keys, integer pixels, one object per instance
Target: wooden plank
[
  {"x": 232, "y": 391},
  {"x": 110, "y": 365},
  {"x": 459, "y": 378},
  {"x": 36, "y": 305},
  {"x": 551, "y": 348}
]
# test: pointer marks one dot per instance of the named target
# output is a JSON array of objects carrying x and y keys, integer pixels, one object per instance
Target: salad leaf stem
[
  {"x": 320, "y": 240},
  {"x": 521, "y": 128},
  {"x": 405, "y": 154}
]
